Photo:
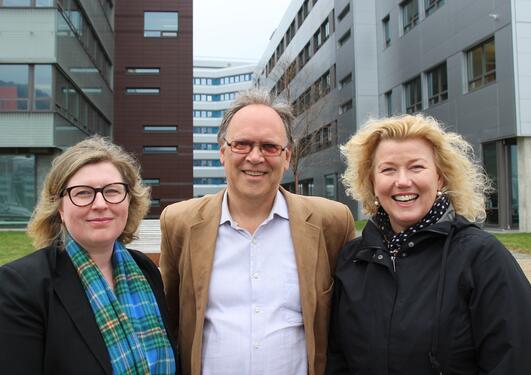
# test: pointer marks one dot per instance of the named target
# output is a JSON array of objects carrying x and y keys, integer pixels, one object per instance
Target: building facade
[
  {"x": 56, "y": 64},
  {"x": 153, "y": 94},
  {"x": 467, "y": 63},
  {"x": 322, "y": 59},
  {"x": 216, "y": 84}
]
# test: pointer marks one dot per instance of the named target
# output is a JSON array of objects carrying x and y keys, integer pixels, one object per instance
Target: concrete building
[
  {"x": 467, "y": 63},
  {"x": 153, "y": 94},
  {"x": 56, "y": 64},
  {"x": 322, "y": 58},
  {"x": 216, "y": 84}
]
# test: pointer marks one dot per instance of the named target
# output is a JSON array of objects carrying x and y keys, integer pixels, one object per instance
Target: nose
[
  {"x": 255, "y": 156},
  {"x": 403, "y": 178},
  {"x": 99, "y": 201}
]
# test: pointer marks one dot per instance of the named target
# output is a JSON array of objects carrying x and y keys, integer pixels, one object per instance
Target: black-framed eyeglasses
[
  {"x": 245, "y": 147},
  {"x": 83, "y": 195}
]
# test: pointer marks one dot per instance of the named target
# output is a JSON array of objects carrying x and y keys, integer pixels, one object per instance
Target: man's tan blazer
[{"x": 319, "y": 229}]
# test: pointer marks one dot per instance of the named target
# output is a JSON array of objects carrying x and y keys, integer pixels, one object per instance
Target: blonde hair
[
  {"x": 45, "y": 225},
  {"x": 465, "y": 181}
]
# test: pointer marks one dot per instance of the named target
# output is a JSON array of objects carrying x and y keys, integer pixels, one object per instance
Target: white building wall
[{"x": 214, "y": 69}]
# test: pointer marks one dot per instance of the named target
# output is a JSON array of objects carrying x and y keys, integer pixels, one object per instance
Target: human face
[
  {"x": 405, "y": 180},
  {"x": 96, "y": 226},
  {"x": 252, "y": 176}
]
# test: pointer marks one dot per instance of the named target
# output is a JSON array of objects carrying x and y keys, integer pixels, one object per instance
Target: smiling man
[{"x": 248, "y": 271}]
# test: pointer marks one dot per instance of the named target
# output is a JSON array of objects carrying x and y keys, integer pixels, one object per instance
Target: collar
[{"x": 280, "y": 208}]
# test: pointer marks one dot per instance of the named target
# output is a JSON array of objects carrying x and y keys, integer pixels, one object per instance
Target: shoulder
[
  {"x": 35, "y": 264},
  {"x": 175, "y": 210},
  {"x": 317, "y": 205}
]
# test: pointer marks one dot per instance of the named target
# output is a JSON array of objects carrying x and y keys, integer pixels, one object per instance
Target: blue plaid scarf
[{"x": 129, "y": 318}]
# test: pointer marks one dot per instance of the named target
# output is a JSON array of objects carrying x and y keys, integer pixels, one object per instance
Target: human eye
[
  {"x": 270, "y": 148},
  {"x": 387, "y": 170},
  {"x": 82, "y": 192},
  {"x": 417, "y": 167},
  {"x": 113, "y": 190},
  {"x": 241, "y": 145}
]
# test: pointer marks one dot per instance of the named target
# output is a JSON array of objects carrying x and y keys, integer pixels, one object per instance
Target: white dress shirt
[{"x": 253, "y": 321}]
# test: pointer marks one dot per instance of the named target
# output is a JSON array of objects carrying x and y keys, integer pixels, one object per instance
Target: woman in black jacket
[
  {"x": 84, "y": 304},
  {"x": 424, "y": 290}
]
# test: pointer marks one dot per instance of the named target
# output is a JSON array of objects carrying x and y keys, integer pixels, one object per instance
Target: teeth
[
  {"x": 253, "y": 173},
  {"x": 405, "y": 198}
]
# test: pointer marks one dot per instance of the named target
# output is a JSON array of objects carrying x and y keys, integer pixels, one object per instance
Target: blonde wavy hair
[
  {"x": 45, "y": 225},
  {"x": 465, "y": 181}
]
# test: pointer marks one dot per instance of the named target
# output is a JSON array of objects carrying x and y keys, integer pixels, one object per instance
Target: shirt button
[
  {"x": 257, "y": 309},
  {"x": 380, "y": 257},
  {"x": 257, "y": 345},
  {"x": 253, "y": 241},
  {"x": 255, "y": 275},
  {"x": 411, "y": 244}
]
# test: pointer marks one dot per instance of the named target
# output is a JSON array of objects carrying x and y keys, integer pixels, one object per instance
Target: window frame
[{"x": 485, "y": 77}]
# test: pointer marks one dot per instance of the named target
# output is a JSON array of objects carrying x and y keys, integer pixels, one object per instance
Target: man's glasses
[
  {"x": 82, "y": 195},
  {"x": 245, "y": 147}
]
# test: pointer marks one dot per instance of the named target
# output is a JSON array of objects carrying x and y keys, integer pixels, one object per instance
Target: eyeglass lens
[{"x": 85, "y": 195}]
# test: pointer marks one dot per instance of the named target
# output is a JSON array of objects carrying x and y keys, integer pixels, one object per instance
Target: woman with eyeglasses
[{"x": 84, "y": 304}]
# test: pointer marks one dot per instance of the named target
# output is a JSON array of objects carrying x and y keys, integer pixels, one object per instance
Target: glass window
[
  {"x": 14, "y": 87},
  {"x": 151, "y": 181},
  {"x": 142, "y": 90},
  {"x": 160, "y": 128},
  {"x": 42, "y": 92},
  {"x": 386, "y": 31},
  {"x": 161, "y": 24},
  {"x": 413, "y": 95},
  {"x": 490, "y": 163},
  {"x": 437, "y": 84},
  {"x": 345, "y": 107},
  {"x": 17, "y": 186},
  {"x": 343, "y": 13},
  {"x": 345, "y": 80},
  {"x": 143, "y": 70},
  {"x": 431, "y": 6},
  {"x": 344, "y": 38},
  {"x": 389, "y": 103},
  {"x": 16, "y": 3},
  {"x": 330, "y": 190},
  {"x": 410, "y": 14},
  {"x": 481, "y": 64},
  {"x": 160, "y": 149},
  {"x": 207, "y": 163}
]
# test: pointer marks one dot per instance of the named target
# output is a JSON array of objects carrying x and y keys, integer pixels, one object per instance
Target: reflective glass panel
[
  {"x": 42, "y": 92},
  {"x": 17, "y": 186},
  {"x": 14, "y": 87}
]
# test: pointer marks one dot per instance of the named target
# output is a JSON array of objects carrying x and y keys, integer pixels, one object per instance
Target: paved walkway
[{"x": 149, "y": 242}]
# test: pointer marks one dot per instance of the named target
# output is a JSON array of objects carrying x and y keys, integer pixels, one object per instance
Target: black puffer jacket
[{"x": 475, "y": 320}]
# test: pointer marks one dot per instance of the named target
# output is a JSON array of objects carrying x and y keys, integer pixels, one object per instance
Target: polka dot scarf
[{"x": 394, "y": 241}]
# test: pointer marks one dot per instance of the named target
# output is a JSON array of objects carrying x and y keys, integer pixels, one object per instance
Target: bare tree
[{"x": 309, "y": 106}]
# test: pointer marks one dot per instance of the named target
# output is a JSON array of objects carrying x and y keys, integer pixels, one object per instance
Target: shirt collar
[{"x": 280, "y": 208}]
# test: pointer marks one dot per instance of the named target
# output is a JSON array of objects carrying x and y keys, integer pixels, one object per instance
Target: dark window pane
[{"x": 14, "y": 87}]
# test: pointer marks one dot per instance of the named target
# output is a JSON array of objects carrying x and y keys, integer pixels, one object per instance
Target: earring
[
  {"x": 376, "y": 202},
  {"x": 439, "y": 193}
]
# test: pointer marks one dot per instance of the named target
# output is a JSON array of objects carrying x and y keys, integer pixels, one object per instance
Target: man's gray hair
[{"x": 258, "y": 96}]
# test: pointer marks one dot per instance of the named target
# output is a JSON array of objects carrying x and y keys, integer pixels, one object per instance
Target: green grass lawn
[
  {"x": 14, "y": 245},
  {"x": 517, "y": 242}
]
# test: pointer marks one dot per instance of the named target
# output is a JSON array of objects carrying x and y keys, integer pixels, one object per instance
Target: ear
[
  {"x": 288, "y": 159},
  {"x": 222, "y": 154},
  {"x": 440, "y": 182}
]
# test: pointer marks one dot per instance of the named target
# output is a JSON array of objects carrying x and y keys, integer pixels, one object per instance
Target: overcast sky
[{"x": 237, "y": 29}]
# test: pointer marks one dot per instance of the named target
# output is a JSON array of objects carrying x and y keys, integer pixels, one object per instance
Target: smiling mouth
[
  {"x": 254, "y": 173},
  {"x": 405, "y": 197}
]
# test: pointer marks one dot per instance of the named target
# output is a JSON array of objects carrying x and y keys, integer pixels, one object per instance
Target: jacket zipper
[{"x": 394, "y": 255}]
